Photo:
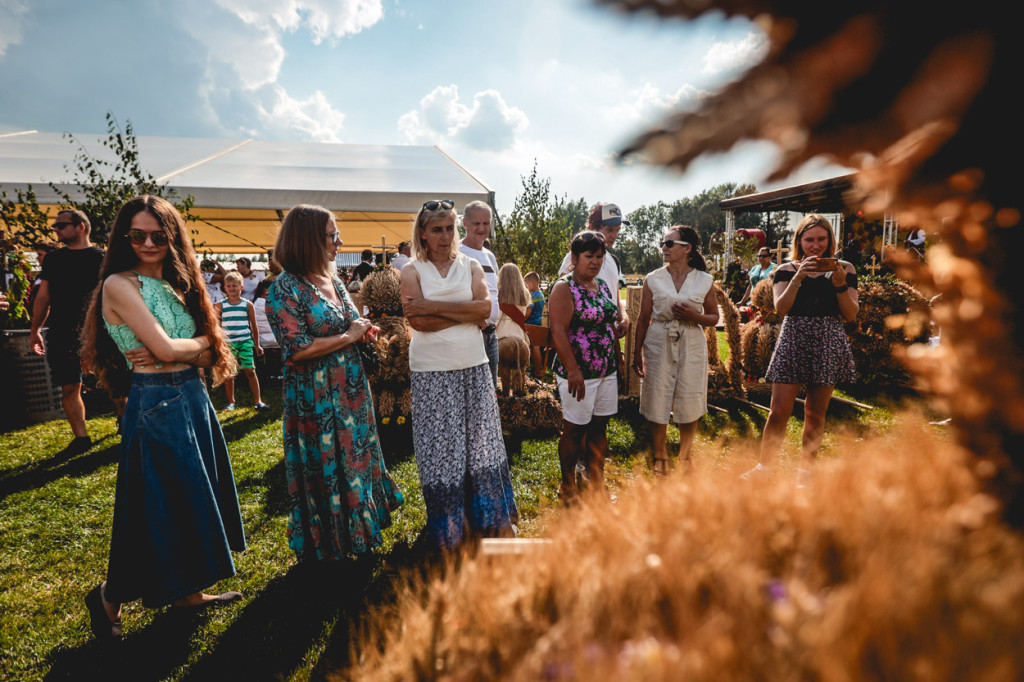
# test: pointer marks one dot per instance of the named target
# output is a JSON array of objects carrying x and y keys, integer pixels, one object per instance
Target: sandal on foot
[
  {"x": 106, "y": 630},
  {"x": 222, "y": 599}
]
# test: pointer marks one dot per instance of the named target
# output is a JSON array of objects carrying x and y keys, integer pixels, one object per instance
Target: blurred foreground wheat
[{"x": 890, "y": 564}]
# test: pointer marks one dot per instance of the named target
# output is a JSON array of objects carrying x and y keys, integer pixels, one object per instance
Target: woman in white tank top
[{"x": 456, "y": 426}]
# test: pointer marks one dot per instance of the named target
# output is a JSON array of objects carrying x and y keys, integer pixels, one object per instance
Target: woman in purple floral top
[{"x": 582, "y": 314}]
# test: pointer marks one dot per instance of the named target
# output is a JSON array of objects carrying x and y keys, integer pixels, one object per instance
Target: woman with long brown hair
[{"x": 176, "y": 514}]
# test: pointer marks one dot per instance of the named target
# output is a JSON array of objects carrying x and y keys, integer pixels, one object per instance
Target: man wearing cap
[
  {"x": 250, "y": 278},
  {"x": 402, "y": 257},
  {"x": 606, "y": 219},
  {"x": 67, "y": 280},
  {"x": 762, "y": 271},
  {"x": 476, "y": 219}
]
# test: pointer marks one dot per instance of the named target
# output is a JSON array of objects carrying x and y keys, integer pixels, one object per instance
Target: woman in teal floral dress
[
  {"x": 341, "y": 494},
  {"x": 583, "y": 313}
]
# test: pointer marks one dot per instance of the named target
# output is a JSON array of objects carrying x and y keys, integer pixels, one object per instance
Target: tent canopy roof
[
  {"x": 243, "y": 188},
  {"x": 821, "y": 196}
]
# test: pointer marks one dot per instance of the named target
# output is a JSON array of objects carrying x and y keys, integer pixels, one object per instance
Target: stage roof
[
  {"x": 244, "y": 187},
  {"x": 822, "y": 196}
]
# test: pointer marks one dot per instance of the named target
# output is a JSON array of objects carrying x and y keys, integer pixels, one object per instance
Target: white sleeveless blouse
[{"x": 457, "y": 347}]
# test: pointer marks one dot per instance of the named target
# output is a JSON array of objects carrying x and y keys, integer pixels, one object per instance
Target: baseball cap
[{"x": 610, "y": 214}]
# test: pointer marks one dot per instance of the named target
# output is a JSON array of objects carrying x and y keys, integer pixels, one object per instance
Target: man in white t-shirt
[
  {"x": 402, "y": 257},
  {"x": 476, "y": 218},
  {"x": 250, "y": 278},
  {"x": 606, "y": 219}
]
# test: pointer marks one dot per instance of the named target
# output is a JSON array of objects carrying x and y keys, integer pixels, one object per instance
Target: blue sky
[{"x": 494, "y": 83}]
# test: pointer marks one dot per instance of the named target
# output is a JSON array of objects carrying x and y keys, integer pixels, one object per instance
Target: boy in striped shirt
[{"x": 238, "y": 318}]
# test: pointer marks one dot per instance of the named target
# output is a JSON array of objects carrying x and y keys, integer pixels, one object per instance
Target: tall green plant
[{"x": 537, "y": 233}]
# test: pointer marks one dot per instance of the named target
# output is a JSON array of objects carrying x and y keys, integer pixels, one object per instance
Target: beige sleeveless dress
[{"x": 675, "y": 352}]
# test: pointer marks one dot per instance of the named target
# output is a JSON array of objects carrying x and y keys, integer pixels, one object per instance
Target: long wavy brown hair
[{"x": 180, "y": 270}]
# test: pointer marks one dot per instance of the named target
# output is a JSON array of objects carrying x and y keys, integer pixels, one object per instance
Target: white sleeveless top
[{"x": 458, "y": 347}]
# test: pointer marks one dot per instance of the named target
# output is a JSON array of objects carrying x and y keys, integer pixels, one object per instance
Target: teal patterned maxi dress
[{"x": 341, "y": 494}]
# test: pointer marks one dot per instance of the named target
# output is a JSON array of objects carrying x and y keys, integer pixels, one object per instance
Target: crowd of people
[{"x": 160, "y": 322}]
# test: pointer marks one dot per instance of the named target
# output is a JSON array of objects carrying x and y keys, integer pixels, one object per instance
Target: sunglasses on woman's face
[
  {"x": 138, "y": 237},
  {"x": 335, "y": 237},
  {"x": 433, "y": 205},
  {"x": 669, "y": 243}
]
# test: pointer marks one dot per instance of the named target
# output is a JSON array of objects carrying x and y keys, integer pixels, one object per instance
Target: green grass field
[{"x": 295, "y": 622}]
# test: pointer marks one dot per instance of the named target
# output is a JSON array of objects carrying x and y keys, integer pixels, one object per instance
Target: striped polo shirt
[{"x": 235, "y": 320}]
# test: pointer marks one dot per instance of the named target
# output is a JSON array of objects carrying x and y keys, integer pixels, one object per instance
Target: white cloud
[
  {"x": 12, "y": 21},
  {"x": 736, "y": 55},
  {"x": 244, "y": 52},
  {"x": 314, "y": 117},
  {"x": 490, "y": 124},
  {"x": 648, "y": 103}
]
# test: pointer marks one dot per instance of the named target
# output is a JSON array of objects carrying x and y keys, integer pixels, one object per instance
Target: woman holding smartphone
[{"x": 815, "y": 293}]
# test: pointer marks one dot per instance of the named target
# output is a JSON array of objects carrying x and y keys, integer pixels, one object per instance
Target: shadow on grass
[
  {"x": 274, "y": 481},
  {"x": 294, "y": 614},
  {"x": 38, "y": 474},
  {"x": 152, "y": 654}
]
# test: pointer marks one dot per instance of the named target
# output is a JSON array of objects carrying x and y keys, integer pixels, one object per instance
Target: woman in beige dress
[{"x": 678, "y": 300}]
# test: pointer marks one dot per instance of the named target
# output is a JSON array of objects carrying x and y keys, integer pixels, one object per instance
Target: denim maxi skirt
[{"x": 176, "y": 515}]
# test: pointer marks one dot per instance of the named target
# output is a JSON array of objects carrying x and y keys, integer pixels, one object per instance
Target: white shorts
[{"x": 600, "y": 399}]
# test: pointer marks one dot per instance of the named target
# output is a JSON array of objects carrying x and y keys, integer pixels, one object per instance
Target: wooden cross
[
  {"x": 384, "y": 249},
  {"x": 874, "y": 267},
  {"x": 779, "y": 252}
]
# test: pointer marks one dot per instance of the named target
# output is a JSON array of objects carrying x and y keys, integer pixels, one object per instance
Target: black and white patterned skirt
[
  {"x": 813, "y": 351},
  {"x": 460, "y": 454}
]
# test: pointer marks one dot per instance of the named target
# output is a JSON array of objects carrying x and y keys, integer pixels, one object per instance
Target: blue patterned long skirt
[{"x": 456, "y": 431}]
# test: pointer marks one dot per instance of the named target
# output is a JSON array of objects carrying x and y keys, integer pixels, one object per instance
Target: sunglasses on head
[
  {"x": 590, "y": 236},
  {"x": 669, "y": 243},
  {"x": 138, "y": 237},
  {"x": 434, "y": 204}
]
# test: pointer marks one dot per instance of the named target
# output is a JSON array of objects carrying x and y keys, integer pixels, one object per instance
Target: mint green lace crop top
[{"x": 166, "y": 307}]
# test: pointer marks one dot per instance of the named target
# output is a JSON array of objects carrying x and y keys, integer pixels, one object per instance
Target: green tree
[
  {"x": 537, "y": 232},
  {"x": 24, "y": 222},
  {"x": 637, "y": 245}
]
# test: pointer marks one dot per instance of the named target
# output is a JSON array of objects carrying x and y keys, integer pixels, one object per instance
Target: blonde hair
[
  {"x": 301, "y": 244},
  {"x": 234, "y": 276},
  {"x": 423, "y": 219},
  {"x": 809, "y": 221},
  {"x": 511, "y": 287}
]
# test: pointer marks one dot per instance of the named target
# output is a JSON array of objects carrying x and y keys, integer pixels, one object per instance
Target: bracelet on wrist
[{"x": 842, "y": 289}]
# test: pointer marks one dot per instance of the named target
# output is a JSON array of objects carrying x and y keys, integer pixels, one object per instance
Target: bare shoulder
[
  {"x": 120, "y": 284},
  {"x": 409, "y": 272}
]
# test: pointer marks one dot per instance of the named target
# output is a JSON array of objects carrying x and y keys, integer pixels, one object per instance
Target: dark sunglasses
[
  {"x": 434, "y": 204},
  {"x": 62, "y": 224},
  {"x": 764, "y": 255},
  {"x": 669, "y": 243},
  {"x": 138, "y": 237},
  {"x": 335, "y": 237},
  {"x": 590, "y": 236}
]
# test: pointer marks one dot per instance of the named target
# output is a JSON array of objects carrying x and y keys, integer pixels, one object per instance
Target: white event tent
[{"x": 243, "y": 187}]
